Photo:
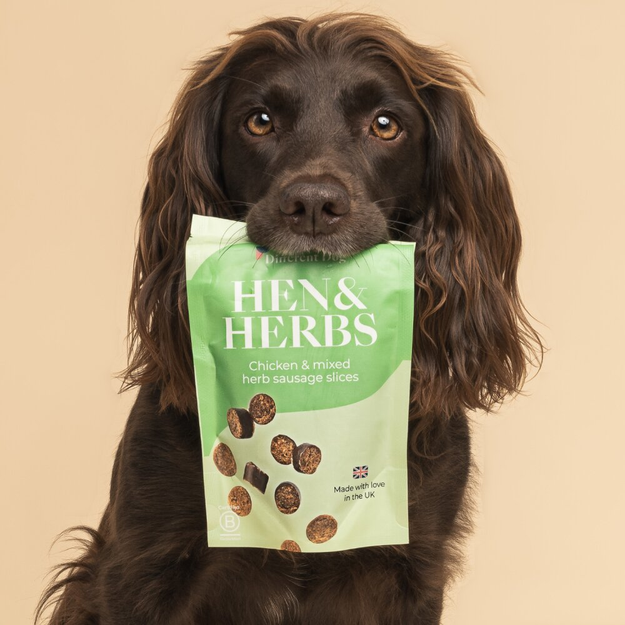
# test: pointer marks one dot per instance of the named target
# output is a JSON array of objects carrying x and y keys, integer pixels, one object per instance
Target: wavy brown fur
[{"x": 148, "y": 562}]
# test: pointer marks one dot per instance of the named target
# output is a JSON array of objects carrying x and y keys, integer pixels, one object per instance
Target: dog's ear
[
  {"x": 184, "y": 178},
  {"x": 473, "y": 342}
]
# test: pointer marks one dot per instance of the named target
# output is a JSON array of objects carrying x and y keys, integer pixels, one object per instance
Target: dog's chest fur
[{"x": 155, "y": 533}]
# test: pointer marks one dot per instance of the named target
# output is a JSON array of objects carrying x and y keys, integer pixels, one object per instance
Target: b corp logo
[{"x": 229, "y": 521}]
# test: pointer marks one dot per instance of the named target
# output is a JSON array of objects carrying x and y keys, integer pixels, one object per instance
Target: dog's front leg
[
  {"x": 372, "y": 586},
  {"x": 402, "y": 584},
  {"x": 156, "y": 567}
]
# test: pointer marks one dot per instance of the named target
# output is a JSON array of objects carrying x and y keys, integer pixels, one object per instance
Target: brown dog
[{"x": 330, "y": 134}]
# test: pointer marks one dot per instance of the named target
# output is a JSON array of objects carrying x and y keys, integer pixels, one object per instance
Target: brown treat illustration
[
  {"x": 255, "y": 477},
  {"x": 240, "y": 422},
  {"x": 240, "y": 501},
  {"x": 290, "y": 545},
  {"x": 306, "y": 458},
  {"x": 282, "y": 448},
  {"x": 287, "y": 497},
  {"x": 224, "y": 460},
  {"x": 262, "y": 408},
  {"x": 321, "y": 528}
]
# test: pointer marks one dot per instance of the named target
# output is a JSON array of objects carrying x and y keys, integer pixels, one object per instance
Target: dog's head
[
  {"x": 334, "y": 134},
  {"x": 322, "y": 151}
]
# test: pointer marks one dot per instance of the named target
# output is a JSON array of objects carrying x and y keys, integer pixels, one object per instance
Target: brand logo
[
  {"x": 260, "y": 251},
  {"x": 229, "y": 523},
  {"x": 309, "y": 257}
]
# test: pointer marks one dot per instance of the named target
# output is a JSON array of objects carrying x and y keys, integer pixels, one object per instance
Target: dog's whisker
[
  {"x": 408, "y": 224},
  {"x": 227, "y": 247},
  {"x": 234, "y": 202},
  {"x": 364, "y": 257},
  {"x": 397, "y": 208},
  {"x": 268, "y": 174},
  {"x": 234, "y": 223},
  {"x": 402, "y": 226},
  {"x": 392, "y": 197},
  {"x": 402, "y": 233},
  {"x": 397, "y": 248},
  {"x": 394, "y": 225}
]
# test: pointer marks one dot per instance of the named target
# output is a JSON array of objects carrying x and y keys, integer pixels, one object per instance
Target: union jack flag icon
[{"x": 360, "y": 472}]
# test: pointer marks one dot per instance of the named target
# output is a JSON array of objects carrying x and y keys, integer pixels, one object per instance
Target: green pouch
[{"x": 302, "y": 373}]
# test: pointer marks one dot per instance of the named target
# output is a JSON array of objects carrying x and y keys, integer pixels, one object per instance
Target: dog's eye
[
  {"x": 385, "y": 127},
  {"x": 259, "y": 123}
]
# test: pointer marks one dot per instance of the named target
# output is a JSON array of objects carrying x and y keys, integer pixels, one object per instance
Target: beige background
[{"x": 85, "y": 89}]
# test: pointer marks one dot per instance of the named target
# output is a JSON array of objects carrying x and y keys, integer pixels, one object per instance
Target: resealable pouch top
[{"x": 302, "y": 373}]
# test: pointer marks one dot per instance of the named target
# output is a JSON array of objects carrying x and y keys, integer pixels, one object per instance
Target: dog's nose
[{"x": 314, "y": 207}]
